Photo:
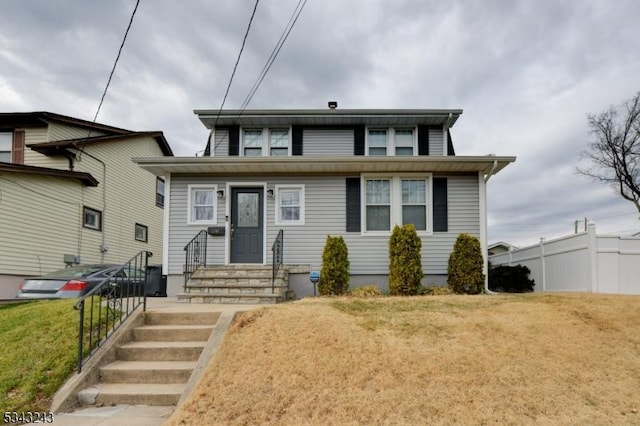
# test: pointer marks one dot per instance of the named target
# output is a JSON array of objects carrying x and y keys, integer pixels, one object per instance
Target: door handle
[{"x": 232, "y": 231}]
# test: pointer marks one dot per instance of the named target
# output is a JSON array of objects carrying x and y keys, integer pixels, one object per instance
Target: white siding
[
  {"x": 436, "y": 139},
  {"x": 327, "y": 142},
  {"x": 325, "y": 205},
  {"x": 220, "y": 144}
]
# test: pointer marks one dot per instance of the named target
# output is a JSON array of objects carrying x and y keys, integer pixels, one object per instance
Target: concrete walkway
[{"x": 142, "y": 415}]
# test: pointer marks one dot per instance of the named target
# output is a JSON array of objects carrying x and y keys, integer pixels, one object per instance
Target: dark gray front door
[{"x": 246, "y": 225}]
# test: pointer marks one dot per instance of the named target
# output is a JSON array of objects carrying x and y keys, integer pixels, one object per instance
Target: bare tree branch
[{"x": 614, "y": 153}]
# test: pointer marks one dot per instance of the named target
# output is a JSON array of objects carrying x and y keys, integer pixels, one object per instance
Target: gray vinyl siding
[
  {"x": 325, "y": 214},
  {"x": 328, "y": 142},
  {"x": 435, "y": 142},
  {"x": 60, "y": 132},
  {"x": 220, "y": 144}
]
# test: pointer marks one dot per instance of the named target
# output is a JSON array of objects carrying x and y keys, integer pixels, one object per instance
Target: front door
[{"x": 247, "y": 224}]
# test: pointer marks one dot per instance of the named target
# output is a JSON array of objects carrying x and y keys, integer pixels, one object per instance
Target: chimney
[{"x": 333, "y": 104}]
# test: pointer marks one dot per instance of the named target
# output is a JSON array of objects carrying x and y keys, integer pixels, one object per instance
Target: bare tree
[{"x": 614, "y": 153}]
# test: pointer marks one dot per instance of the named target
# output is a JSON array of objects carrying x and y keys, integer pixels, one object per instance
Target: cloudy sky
[{"x": 526, "y": 74}]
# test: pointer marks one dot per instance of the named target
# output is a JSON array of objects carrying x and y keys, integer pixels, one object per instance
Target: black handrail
[
  {"x": 195, "y": 256},
  {"x": 110, "y": 303},
  {"x": 277, "y": 252}
]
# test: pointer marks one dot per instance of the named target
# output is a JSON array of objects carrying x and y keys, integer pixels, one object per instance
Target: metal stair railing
[
  {"x": 195, "y": 255},
  {"x": 277, "y": 250},
  {"x": 108, "y": 305}
]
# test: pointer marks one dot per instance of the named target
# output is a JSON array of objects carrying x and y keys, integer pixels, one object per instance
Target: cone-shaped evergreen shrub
[
  {"x": 465, "y": 266},
  {"x": 334, "y": 275},
  {"x": 405, "y": 261}
]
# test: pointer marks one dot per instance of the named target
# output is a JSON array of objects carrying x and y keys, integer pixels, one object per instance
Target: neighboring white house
[
  {"x": 313, "y": 173},
  {"x": 582, "y": 262},
  {"x": 70, "y": 193}
]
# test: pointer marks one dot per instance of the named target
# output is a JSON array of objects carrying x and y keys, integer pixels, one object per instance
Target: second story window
[
  {"x": 252, "y": 140},
  {"x": 403, "y": 141},
  {"x": 377, "y": 142},
  {"x": 6, "y": 140},
  {"x": 266, "y": 142},
  {"x": 159, "y": 192},
  {"x": 391, "y": 141}
]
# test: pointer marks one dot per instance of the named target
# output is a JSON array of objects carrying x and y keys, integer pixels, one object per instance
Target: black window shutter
[
  {"x": 440, "y": 209},
  {"x": 234, "y": 140},
  {"x": 358, "y": 140},
  {"x": 353, "y": 204},
  {"x": 423, "y": 140},
  {"x": 296, "y": 143}
]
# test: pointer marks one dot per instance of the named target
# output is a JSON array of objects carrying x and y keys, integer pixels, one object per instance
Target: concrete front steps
[
  {"x": 153, "y": 368},
  {"x": 243, "y": 284}
]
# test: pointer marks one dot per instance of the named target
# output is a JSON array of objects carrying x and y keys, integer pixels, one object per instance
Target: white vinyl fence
[{"x": 581, "y": 262}]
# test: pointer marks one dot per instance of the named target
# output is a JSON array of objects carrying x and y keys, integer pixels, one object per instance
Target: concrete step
[
  {"x": 235, "y": 290},
  {"x": 248, "y": 299},
  {"x": 160, "y": 351},
  {"x": 181, "y": 318},
  {"x": 172, "y": 333},
  {"x": 163, "y": 372},
  {"x": 132, "y": 394}
]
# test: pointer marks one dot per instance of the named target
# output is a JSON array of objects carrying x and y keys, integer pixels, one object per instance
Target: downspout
[{"x": 483, "y": 226}]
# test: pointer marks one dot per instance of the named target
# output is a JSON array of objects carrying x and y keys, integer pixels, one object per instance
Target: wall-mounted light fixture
[
  {"x": 220, "y": 193},
  {"x": 270, "y": 192}
]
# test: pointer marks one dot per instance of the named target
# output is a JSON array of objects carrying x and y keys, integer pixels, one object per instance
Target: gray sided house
[{"x": 313, "y": 173}]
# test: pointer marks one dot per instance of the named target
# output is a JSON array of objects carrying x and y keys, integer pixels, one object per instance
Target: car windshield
[{"x": 75, "y": 271}]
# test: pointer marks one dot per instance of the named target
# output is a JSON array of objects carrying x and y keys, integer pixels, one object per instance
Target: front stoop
[
  {"x": 155, "y": 366},
  {"x": 244, "y": 284}
]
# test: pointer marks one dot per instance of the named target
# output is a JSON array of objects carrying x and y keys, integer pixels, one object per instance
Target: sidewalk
[{"x": 143, "y": 415}]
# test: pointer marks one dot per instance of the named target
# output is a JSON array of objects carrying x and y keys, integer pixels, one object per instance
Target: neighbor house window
[
  {"x": 279, "y": 142},
  {"x": 6, "y": 140},
  {"x": 290, "y": 205},
  {"x": 395, "y": 200},
  {"x": 92, "y": 219},
  {"x": 202, "y": 204},
  {"x": 141, "y": 233},
  {"x": 159, "y": 192},
  {"x": 414, "y": 203},
  {"x": 378, "y": 205}
]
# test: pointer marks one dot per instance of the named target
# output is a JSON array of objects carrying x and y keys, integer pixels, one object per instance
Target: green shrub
[
  {"x": 334, "y": 275},
  {"x": 465, "y": 266},
  {"x": 405, "y": 261},
  {"x": 510, "y": 279},
  {"x": 366, "y": 291}
]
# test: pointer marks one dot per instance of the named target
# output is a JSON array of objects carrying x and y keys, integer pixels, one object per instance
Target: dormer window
[
  {"x": 265, "y": 142},
  {"x": 391, "y": 141}
]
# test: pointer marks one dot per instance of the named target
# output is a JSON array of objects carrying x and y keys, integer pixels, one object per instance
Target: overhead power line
[
  {"x": 235, "y": 67},
  {"x": 116, "y": 61}
]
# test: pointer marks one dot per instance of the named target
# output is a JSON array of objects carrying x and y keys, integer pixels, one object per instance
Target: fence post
[
  {"x": 542, "y": 266},
  {"x": 593, "y": 257}
]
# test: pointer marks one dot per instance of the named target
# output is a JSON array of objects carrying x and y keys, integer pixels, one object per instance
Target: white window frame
[
  {"x": 396, "y": 200},
  {"x": 266, "y": 140},
  {"x": 391, "y": 146},
  {"x": 278, "y": 218},
  {"x": 199, "y": 186},
  {"x": 7, "y": 137}
]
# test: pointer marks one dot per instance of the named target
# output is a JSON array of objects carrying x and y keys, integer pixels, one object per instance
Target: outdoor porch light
[
  {"x": 270, "y": 192},
  {"x": 220, "y": 193}
]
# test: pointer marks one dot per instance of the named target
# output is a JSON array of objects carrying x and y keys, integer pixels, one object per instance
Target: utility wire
[
  {"x": 235, "y": 67},
  {"x": 116, "y": 61},
  {"x": 267, "y": 66}
]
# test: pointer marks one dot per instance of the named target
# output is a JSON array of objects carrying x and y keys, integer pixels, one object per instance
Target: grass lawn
[
  {"x": 513, "y": 359},
  {"x": 39, "y": 350}
]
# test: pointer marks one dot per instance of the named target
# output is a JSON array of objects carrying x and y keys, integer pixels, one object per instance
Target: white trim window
[
  {"x": 378, "y": 205},
  {"x": 6, "y": 143},
  {"x": 414, "y": 203},
  {"x": 391, "y": 141},
  {"x": 203, "y": 206},
  {"x": 266, "y": 142},
  {"x": 290, "y": 205},
  {"x": 395, "y": 200}
]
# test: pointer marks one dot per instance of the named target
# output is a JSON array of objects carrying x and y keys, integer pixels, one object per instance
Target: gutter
[{"x": 486, "y": 278}]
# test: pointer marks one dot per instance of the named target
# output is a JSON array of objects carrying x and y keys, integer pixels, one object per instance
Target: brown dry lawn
[{"x": 516, "y": 359}]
